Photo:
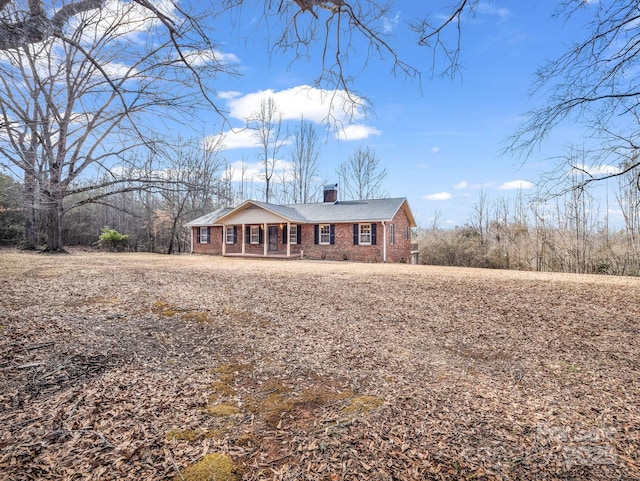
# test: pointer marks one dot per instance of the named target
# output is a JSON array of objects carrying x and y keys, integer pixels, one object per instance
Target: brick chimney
[{"x": 330, "y": 193}]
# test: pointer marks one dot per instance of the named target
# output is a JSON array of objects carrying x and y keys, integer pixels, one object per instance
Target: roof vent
[{"x": 330, "y": 193}]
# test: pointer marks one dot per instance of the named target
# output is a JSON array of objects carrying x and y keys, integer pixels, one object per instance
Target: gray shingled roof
[
  {"x": 210, "y": 218},
  {"x": 347, "y": 211},
  {"x": 287, "y": 211},
  {"x": 350, "y": 211}
]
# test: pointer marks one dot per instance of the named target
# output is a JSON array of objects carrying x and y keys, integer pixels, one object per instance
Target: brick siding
[{"x": 343, "y": 249}]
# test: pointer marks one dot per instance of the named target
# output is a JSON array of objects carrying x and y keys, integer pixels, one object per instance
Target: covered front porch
[{"x": 267, "y": 239}]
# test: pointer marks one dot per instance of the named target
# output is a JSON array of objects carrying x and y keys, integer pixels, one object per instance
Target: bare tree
[
  {"x": 73, "y": 106},
  {"x": 266, "y": 124},
  {"x": 191, "y": 180},
  {"x": 327, "y": 30},
  {"x": 590, "y": 84},
  {"x": 436, "y": 220},
  {"x": 362, "y": 176},
  {"x": 480, "y": 216},
  {"x": 35, "y": 22},
  {"x": 580, "y": 213},
  {"x": 305, "y": 163},
  {"x": 629, "y": 202}
]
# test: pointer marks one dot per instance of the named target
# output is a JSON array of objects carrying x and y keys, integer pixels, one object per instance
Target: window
[
  {"x": 392, "y": 234},
  {"x": 407, "y": 233},
  {"x": 325, "y": 233},
  {"x": 293, "y": 234},
  {"x": 204, "y": 235},
  {"x": 365, "y": 234},
  {"x": 231, "y": 235},
  {"x": 255, "y": 235}
]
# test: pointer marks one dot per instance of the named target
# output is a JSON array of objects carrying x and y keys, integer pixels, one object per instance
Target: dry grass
[{"x": 111, "y": 367}]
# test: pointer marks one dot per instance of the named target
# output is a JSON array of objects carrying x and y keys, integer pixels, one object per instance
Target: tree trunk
[
  {"x": 29, "y": 202},
  {"x": 174, "y": 228},
  {"x": 54, "y": 224}
]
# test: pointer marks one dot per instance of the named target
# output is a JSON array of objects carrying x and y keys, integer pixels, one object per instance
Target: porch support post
[
  {"x": 288, "y": 238},
  {"x": 244, "y": 232},
  {"x": 384, "y": 242},
  {"x": 224, "y": 239},
  {"x": 265, "y": 238}
]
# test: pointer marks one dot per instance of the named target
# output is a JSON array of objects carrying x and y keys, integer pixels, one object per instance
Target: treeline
[
  {"x": 565, "y": 234},
  {"x": 153, "y": 219}
]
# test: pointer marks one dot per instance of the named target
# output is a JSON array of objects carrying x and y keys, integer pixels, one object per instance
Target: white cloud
[
  {"x": 516, "y": 185},
  {"x": 489, "y": 9},
  {"x": 229, "y": 95},
  {"x": 435, "y": 150},
  {"x": 356, "y": 132},
  {"x": 119, "y": 18},
  {"x": 254, "y": 171},
  {"x": 203, "y": 57},
  {"x": 438, "y": 196},
  {"x": 463, "y": 185},
  {"x": 314, "y": 104},
  {"x": 233, "y": 139},
  {"x": 389, "y": 24},
  {"x": 595, "y": 170}
]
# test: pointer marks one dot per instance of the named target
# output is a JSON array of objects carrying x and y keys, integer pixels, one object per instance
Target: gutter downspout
[
  {"x": 191, "y": 240},
  {"x": 384, "y": 241}
]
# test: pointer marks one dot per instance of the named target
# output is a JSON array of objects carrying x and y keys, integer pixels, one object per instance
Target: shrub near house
[{"x": 112, "y": 240}]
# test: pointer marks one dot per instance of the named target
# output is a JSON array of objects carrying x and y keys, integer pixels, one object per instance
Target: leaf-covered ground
[{"x": 149, "y": 367}]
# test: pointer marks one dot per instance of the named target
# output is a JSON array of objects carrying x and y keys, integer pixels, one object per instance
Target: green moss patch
[
  {"x": 213, "y": 467},
  {"x": 223, "y": 410},
  {"x": 280, "y": 401},
  {"x": 363, "y": 404},
  {"x": 163, "y": 308},
  {"x": 196, "y": 316},
  {"x": 223, "y": 388}
]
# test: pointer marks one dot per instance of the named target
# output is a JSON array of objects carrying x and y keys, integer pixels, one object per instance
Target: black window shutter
[
  {"x": 373, "y": 234},
  {"x": 332, "y": 234},
  {"x": 285, "y": 241},
  {"x": 356, "y": 234},
  {"x": 316, "y": 233},
  {"x": 235, "y": 234},
  {"x": 260, "y": 235},
  {"x": 198, "y": 233},
  {"x": 299, "y": 236},
  {"x": 247, "y": 234},
  {"x": 208, "y": 234}
]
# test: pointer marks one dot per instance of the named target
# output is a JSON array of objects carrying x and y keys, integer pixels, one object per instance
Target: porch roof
[{"x": 208, "y": 219}]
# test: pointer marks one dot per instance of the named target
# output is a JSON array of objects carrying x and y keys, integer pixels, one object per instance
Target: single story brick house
[{"x": 376, "y": 230}]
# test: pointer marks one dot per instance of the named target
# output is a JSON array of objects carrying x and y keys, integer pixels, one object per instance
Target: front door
[{"x": 273, "y": 237}]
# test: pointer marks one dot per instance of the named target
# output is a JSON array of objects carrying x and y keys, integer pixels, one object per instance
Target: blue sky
[{"x": 440, "y": 139}]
